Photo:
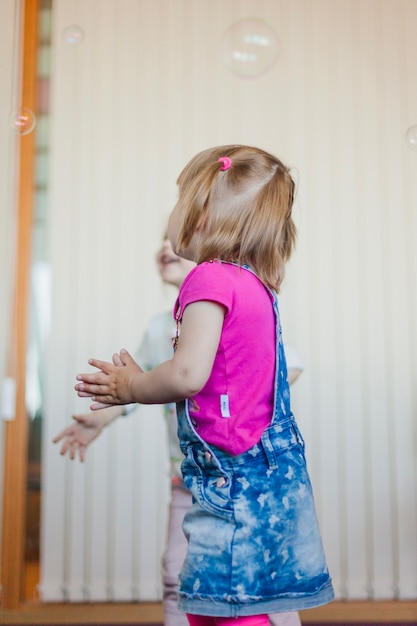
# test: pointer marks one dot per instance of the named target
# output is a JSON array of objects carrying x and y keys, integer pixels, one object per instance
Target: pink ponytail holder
[{"x": 226, "y": 163}]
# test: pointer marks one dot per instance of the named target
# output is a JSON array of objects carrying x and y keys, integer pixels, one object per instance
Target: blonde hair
[{"x": 244, "y": 211}]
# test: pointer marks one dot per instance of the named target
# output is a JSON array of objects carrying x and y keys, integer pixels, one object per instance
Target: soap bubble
[
  {"x": 22, "y": 121},
  {"x": 250, "y": 47},
  {"x": 73, "y": 35},
  {"x": 411, "y": 137}
]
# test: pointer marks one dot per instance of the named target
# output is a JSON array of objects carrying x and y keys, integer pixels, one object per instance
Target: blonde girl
[{"x": 253, "y": 541}]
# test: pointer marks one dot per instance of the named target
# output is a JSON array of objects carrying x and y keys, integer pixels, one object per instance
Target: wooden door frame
[{"x": 16, "y": 431}]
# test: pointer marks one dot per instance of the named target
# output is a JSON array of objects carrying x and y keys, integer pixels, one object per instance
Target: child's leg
[
  {"x": 252, "y": 620},
  {"x": 285, "y": 619},
  {"x": 174, "y": 555}
]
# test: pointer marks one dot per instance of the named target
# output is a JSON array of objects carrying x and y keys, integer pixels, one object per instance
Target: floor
[
  {"x": 146, "y": 614},
  {"x": 340, "y": 613}
]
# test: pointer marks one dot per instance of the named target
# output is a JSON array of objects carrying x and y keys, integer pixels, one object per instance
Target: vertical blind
[{"x": 138, "y": 87}]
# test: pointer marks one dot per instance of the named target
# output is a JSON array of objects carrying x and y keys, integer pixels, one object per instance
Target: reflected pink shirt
[{"x": 235, "y": 406}]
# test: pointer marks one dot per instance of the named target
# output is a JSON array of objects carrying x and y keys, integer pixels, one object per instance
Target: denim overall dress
[{"x": 254, "y": 545}]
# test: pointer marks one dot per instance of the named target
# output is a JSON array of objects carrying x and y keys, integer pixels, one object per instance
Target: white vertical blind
[{"x": 143, "y": 91}]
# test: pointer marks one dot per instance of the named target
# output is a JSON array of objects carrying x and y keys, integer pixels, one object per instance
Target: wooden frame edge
[{"x": 16, "y": 431}]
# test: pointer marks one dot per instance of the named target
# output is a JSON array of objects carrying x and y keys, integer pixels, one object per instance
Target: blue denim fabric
[{"x": 253, "y": 541}]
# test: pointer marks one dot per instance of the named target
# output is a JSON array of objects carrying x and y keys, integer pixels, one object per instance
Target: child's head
[
  {"x": 238, "y": 209},
  {"x": 172, "y": 268}
]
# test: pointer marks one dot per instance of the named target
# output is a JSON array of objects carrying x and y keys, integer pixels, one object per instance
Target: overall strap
[{"x": 282, "y": 408}]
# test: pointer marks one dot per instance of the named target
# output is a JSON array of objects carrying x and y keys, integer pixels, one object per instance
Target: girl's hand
[
  {"x": 113, "y": 384},
  {"x": 80, "y": 434}
]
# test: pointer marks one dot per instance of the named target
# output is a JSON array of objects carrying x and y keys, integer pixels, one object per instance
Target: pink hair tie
[{"x": 226, "y": 163}]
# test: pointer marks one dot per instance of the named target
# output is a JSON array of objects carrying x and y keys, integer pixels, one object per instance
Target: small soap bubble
[
  {"x": 22, "y": 121},
  {"x": 411, "y": 138},
  {"x": 250, "y": 47},
  {"x": 73, "y": 35}
]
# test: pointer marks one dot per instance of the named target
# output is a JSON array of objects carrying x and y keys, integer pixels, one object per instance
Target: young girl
[
  {"x": 156, "y": 347},
  {"x": 253, "y": 542}
]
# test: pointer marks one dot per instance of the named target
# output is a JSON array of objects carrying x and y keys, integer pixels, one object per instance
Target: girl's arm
[{"x": 181, "y": 377}]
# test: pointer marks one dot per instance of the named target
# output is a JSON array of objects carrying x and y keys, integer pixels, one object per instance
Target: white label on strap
[{"x": 224, "y": 405}]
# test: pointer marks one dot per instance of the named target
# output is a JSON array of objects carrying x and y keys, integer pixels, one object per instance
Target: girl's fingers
[
  {"x": 125, "y": 357},
  {"x": 98, "y": 378},
  {"x": 92, "y": 384},
  {"x": 82, "y": 394},
  {"x": 100, "y": 401},
  {"x": 73, "y": 449},
  {"x": 91, "y": 389},
  {"x": 104, "y": 366},
  {"x": 96, "y": 385},
  {"x": 100, "y": 405},
  {"x": 64, "y": 447},
  {"x": 117, "y": 360},
  {"x": 58, "y": 437}
]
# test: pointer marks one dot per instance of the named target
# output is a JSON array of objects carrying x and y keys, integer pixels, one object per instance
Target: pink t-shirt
[{"x": 235, "y": 406}]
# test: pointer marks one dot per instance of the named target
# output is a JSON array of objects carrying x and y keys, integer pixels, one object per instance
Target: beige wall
[{"x": 145, "y": 89}]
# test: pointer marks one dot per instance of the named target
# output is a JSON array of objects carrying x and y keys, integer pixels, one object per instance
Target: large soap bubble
[
  {"x": 411, "y": 138},
  {"x": 22, "y": 121},
  {"x": 250, "y": 47},
  {"x": 73, "y": 35}
]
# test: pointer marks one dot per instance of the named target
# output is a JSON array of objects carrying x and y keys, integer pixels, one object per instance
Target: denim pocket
[
  {"x": 280, "y": 439},
  {"x": 209, "y": 485}
]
